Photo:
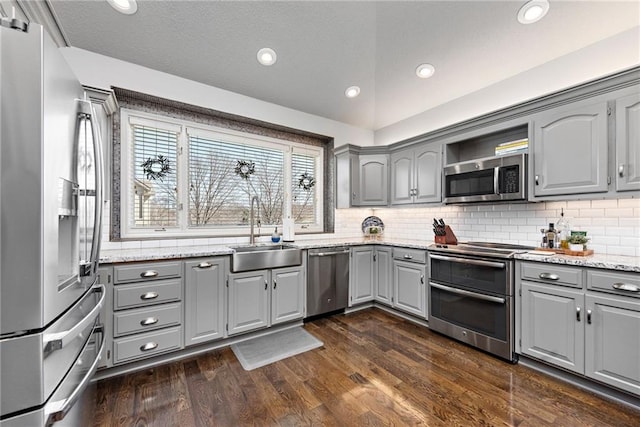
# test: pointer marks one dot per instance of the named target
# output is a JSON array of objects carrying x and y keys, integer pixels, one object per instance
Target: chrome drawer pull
[
  {"x": 625, "y": 287},
  {"x": 149, "y": 346},
  {"x": 408, "y": 256},
  {"x": 149, "y": 321},
  {"x": 205, "y": 264},
  {"x": 149, "y": 295},
  {"x": 549, "y": 276},
  {"x": 149, "y": 273}
]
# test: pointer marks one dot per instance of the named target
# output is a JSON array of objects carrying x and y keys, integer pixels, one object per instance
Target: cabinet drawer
[
  {"x": 141, "y": 294},
  {"x": 619, "y": 283},
  {"x": 145, "y": 345},
  {"x": 149, "y": 271},
  {"x": 552, "y": 274},
  {"x": 411, "y": 255},
  {"x": 146, "y": 319}
]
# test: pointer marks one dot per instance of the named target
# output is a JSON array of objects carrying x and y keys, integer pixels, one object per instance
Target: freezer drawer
[
  {"x": 139, "y": 295},
  {"x": 144, "y": 345},
  {"x": 146, "y": 319}
]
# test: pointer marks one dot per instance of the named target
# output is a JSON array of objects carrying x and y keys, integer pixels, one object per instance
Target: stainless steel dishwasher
[{"x": 327, "y": 280}]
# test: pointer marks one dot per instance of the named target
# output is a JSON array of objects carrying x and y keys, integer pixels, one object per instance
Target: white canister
[{"x": 288, "y": 230}]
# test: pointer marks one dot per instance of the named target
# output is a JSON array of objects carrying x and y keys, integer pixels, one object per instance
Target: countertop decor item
[{"x": 372, "y": 221}]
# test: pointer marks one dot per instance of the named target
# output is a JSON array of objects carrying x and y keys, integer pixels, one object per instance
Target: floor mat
[{"x": 262, "y": 351}]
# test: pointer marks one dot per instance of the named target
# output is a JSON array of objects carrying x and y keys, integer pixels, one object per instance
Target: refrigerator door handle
[
  {"x": 88, "y": 113},
  {"x": 58, "y": 340},
  {"x": 56, "y": 411}
]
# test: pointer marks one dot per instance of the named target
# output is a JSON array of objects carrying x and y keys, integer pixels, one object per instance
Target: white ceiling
[{"x": 325, "y": 46}]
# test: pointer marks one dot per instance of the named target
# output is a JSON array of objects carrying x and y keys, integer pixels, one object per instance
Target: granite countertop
[{"x": 610, "y": 262}]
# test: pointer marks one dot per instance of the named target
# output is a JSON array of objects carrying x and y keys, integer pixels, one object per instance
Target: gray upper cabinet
[
  {"x": 570, "y": 150},
  {"x": 204, "y": 300},
  {"x": 362, "y": 179},
  {"x": 627, "y": 168},
  {"x": 373, "y": 174},
  {"x": 416, "y": 175}
]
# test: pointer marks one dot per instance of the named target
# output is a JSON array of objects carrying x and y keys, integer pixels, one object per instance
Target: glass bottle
[
  {"x": 563, "y": 230},
  {"x": 551, "y": 236}
]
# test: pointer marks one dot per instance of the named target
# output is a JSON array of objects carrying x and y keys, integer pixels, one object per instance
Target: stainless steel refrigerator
[{"x": 50, "y": 219}]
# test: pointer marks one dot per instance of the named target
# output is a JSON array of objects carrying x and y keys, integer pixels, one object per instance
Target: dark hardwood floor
[{"x": 374, "y": 369}]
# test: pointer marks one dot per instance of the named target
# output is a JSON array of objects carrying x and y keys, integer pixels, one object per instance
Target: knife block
[{"x": 449, "y": 237}]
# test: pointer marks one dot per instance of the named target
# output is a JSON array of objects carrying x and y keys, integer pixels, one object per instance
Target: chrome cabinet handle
[
  {"x": 353, "y": 196},
  {"x": 621, "y": 170},
  {"x": 578, "y": 314},
  {"x": 149, "y": 346},
  {"x": 205, "y": 264},
  {"x": 149, "y": 295},
  {"x": 274, "y": 284},
  {"x": 266, "y": 285},
  {"x": 625, "y": 287},
  {"x": 407, "y": 256},
  {"x": 149, "y": 321},
  {"x": 422, "y": 279},
  {"x": 549, "y": 276},
  {"x": 589, "y": 317},
  {"x": 149, "y": 273},
  {"x": 537, "y": 179}
]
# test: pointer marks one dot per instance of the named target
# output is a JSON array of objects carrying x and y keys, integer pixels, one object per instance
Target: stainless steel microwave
[{"x": 491, "y": 179}]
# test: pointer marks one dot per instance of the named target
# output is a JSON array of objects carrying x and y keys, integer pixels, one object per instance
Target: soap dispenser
[{"x": 275, "y": 237}]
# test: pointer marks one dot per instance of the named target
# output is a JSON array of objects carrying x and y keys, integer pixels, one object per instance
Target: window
[{"x": 184, "y": 179}]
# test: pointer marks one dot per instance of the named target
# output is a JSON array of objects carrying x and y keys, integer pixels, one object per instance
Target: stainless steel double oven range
[{"x": 471, "y": 294}]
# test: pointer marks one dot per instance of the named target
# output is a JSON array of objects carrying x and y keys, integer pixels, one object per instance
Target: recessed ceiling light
[
  {"x": 352, "y": 91},
  {"x": 267, "y": 56},
  {"x": 424, "y": 71},
  {"x": 128, "y": 7},
  {"x": 533, "y": 11}
]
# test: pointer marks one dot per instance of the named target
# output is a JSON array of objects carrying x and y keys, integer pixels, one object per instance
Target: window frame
[{"x": 129, "y": 117}]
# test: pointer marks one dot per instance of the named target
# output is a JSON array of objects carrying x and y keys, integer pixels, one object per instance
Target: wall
[
  {"x": 103, "y": 72},
  {"x": 613, "y": 225},
  {"x": 616, "y": 53}
]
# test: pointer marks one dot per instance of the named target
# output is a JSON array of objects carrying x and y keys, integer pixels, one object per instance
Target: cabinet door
[
  {"x": 373, "y": 180},
  {"x": 402, "y": 177},
  {"x": 383, "y": 275},
  {"x": 428, "y": 174},
  {"x": 287, "y": 296},
  {"x": 628, "y": 143},
  {"x": 204, "y": 300},
  {"x": 409, "y": 288},
  {"x": 552, "y": 326},
  {"x": 361, "y": 275},
  {"x": 570, "y": 151},
  {"x": 612, "y": 342},
  {"x": 248, "y": 301}
]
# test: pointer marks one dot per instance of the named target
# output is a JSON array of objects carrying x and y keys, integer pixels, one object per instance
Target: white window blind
[{"x": 304, "y": 189}]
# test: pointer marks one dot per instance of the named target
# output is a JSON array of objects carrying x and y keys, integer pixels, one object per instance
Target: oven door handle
[
  {"x": 469, "y": 261},
  {"x": 468, "y": 293}
]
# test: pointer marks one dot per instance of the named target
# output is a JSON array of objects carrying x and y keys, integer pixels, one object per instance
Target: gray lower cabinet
[
  {"x": 383, "y": 275},
  {"x": 259, "y": 299},
  {"x": 147, "y": 310},
  {"x": 361, "y": 275},
  {"x": 204, "y": 300},
  {"x": 409, "y": 281},
  {"x": 287, "y": 294},
  {"x": 570, "y": 150},
  {"x": 593, "y": 332},
  {"x": 553, "y": 325},
  {"x": 248, "y": 297},
  {"x": 627, "y": 167}
]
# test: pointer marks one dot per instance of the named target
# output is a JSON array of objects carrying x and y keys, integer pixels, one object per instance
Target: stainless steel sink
[{"x": 258, "y": 257}]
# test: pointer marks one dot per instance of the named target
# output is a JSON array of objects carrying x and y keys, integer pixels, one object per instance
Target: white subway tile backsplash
[{"x": 609, "y": 203}]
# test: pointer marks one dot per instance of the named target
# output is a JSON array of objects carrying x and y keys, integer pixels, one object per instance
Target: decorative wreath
[
  {"x": 245, "y": 169},
  {"x": 157, "y": 167},
  {"x": 306, "y": 181}
]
